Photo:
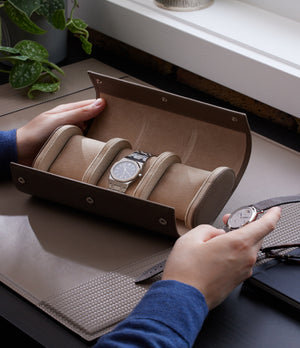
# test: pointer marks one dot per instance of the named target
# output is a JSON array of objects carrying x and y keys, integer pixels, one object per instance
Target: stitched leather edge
[
  {"x": 154, "y": 173},
  {"x": 103, "y": 159},
  {"x": 207, "y": 190},
  {"x": 54, "y": 145}
]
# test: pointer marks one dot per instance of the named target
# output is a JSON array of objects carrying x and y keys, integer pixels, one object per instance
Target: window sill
[{"x": 240, "y": 46}]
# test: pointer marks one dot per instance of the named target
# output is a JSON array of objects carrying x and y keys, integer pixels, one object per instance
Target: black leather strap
[
  {"x": 273, "y": 202},
  {"x": 262, "y": 205},
  {"x": 151, "y": 272}
]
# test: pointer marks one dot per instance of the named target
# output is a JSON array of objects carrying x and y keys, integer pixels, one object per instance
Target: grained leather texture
[
  {"x": 199, "y": 155},
  {"x": 127, "y": 209}
]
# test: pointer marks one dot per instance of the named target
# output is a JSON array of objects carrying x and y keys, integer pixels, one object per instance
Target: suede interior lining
[
  {"x": 165, "y": 180},
  {"x": 198, "y": 144},
  {"x": 75, "y": 157}
]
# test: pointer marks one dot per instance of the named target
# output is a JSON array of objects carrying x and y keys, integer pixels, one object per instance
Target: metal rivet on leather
[
  {"x": 163, "y": 221},
  {"x": 21, "y": 180},
  {"x": 90, "y": 200},
  {"x": 164, "y": 99},
  {"x": 99, "y": 81},
  {"x": 234, "y": 119}
]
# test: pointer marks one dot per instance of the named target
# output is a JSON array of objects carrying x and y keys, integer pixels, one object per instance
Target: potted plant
[{"x": 29, "y": 64}]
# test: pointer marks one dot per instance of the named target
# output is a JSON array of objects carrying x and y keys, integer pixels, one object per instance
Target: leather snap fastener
[
  {"x": 90, "y": 200},
  {"x": 21, "y": 180},
  {"x": 163, "y": 221}
]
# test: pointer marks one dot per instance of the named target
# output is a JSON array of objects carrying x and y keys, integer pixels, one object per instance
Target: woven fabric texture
[
  {"x": 286, "y": 231},
  {"x": 95, "y": 307}
]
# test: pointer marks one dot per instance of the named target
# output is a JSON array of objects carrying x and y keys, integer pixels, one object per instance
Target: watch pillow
[{"x": 195, "y": 194}]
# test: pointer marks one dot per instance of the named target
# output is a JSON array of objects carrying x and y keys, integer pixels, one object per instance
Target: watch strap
[
  {"x": 139, "y": 156},
  {"x": 118, "y": 186},
  {"x": 260, "y": 206},
  {"x": 272, "y": 202},
  {"x": 151, "y": 272}
]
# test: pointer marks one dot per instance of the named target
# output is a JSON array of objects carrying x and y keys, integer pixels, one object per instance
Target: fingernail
[{"x": 98, "y": 102}]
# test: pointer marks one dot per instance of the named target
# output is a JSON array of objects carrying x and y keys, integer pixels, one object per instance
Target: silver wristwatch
[
  {"x": 237, "y": 219},
  {"x": 127, "y": 170},
  {"x": 247, "y": 214}
]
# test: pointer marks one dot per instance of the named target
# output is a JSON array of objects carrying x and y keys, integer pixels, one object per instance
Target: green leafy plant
[{"x": 29, "y": 60}]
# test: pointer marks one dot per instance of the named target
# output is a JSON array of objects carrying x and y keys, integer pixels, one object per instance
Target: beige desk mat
[
  {"x": 88, "y": 292},
  {"x": 63, "y": 259}
]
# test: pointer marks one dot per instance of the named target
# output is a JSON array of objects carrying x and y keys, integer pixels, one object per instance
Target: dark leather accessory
[
  {"x": 244, "y": 215},
  {"x": 247, "y": 214},
  {"x": 273, "y": 202},
  {"x": 278, "y": 280},
  {"x": 151, "y": 272}
]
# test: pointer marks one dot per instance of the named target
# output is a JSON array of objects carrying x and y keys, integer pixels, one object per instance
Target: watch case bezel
[
  {"x": 127, "y": 180},
  {"x": 254, "y": 214}
]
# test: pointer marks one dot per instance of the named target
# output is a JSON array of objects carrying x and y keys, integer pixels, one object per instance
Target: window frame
[{"x": 260, "y": 60}]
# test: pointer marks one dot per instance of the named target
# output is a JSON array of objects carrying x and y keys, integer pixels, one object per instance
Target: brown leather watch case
[{"x": 200, "y": 153}]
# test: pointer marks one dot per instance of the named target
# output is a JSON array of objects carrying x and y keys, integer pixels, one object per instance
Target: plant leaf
[
  {"x": 53, "y": 66},
  {"x": 79, "y": 23},
  {"x": 21, "y": 19},
  {"x": 54, "y": 11},
  {"x": 14, "y": 58},
  {"x": 28, "y": 7},
  {"x": 11, "y": 50},
  {"x": 32, "y": 50},
  {"x": 5, "y": 71},
  {"x": 86, "y": 45},
  {"x": 50, "y": 73},
  {"x": 43, "y": 87},
  {"x": 24, "y": 74},
  {"x": 58, "y": 20},
  {"x": 77, "y": 26}
]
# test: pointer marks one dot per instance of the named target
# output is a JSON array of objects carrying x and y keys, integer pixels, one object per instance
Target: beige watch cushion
[{"x": 196, "y": 194}]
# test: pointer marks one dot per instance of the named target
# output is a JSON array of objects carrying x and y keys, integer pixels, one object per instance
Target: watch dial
[
  {"x": 125, "y": 170},
  {"x": 241, "y": 217}
]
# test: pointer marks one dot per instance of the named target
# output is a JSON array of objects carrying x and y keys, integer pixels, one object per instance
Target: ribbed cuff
[
  {"x": 8, "y": 151},
  {"x": 179, "y": 306}
]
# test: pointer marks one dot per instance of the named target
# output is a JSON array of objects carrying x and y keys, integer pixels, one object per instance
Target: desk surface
[{"x": 241, "y": 320}]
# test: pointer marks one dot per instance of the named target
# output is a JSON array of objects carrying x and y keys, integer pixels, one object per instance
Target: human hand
[
  {"x": 215, "y": 262},
  {"x": 32, "y": 136}
]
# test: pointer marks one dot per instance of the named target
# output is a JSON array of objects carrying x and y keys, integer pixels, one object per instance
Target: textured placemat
[
  {"x": 95, "y": 307},
  {"x": 286, "y": 231}
]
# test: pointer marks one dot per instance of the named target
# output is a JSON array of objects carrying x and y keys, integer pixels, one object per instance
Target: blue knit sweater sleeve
[
  {"x": 171, "y": 314},
  {"x": 8, "y": 151}
]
